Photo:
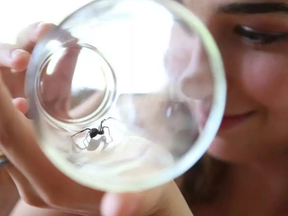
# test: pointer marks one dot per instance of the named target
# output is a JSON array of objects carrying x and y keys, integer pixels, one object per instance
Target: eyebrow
[{"x": 254, "y": 8}]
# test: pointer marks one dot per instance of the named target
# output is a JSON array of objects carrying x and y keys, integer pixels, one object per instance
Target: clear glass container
[{"x": 126, "y": 95}]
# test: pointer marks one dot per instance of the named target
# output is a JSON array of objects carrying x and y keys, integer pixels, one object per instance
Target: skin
[
  {"x": 64, "y": 196},
  {"x": 256, "y": 83},
  {"x": 255, "y": 148}
]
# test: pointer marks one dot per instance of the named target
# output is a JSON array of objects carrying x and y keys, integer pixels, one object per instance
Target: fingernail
[
  {"x": 38, "y": 31},
  {"x": 17, "y": 52},
  {"x": 40, "y": 26}
]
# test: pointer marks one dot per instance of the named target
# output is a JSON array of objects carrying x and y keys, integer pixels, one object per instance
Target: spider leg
[
  {"x": 86, "y": 146},
  {"x": 111, "y": 138},
  {"x": 86, "y": 137},
  {"x": 81, "y": 132},
  {"x": 75, "y": 144},
  {"x": 105, "y": 143},
  {"x": 107, "y": 129},
  {"x": 101, "y": 124}
]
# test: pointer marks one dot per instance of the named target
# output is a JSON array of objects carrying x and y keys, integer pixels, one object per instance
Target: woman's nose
[
  {"x": 196, "y": 82},
  {"x": 188, "y": 65}
]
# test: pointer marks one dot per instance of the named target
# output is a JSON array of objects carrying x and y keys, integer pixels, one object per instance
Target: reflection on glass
[{"x": 122, "y": 100}]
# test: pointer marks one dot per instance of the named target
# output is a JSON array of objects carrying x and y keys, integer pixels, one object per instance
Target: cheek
[{"x": 265, "y": 78}]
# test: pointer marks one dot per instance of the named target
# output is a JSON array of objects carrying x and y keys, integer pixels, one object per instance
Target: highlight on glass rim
[
  {"x": 144, "y": 107},
  {"x": 114, "y": 105}
]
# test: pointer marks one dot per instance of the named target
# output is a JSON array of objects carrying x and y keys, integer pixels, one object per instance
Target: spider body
[{"x": 92, "y": 133}]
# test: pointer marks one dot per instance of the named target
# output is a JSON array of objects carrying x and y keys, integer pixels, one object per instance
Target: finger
[
  {"x": 162, "y": 200},
  {"x": 32, "y": 211},
  {"x": 13, "y": 57},
  {"x": 14, "y": 82},
  {"x": 17, "y": 56},
  {"x": 21, "y": 104},
  {"x": 130, "y": 204},
  {"x": 56, "y": 88},
  {"x": 24, "y": 187},
  {"x": 26, "y": 191},
  {"x": 18, "y": 142},
  {"x": 87, "y": 107},
  {"x": 29, "y": 36},
  {"x": 120, "y": 205}
]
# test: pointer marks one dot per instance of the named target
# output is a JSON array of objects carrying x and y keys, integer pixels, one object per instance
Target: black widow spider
[{"x": 93, "y": 132}]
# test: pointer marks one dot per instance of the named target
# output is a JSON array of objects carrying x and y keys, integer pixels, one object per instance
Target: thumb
[
  {"x": 120, "y": 204},
  {"x": 131, "y": 204},
  {"x": 21, "y": 104}
]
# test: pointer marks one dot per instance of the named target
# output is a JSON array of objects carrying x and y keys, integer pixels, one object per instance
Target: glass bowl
[{"x": 126, "y": 95}]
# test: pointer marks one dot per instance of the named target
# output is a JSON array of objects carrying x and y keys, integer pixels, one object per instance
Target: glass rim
[{"x": 203, "y": 141}]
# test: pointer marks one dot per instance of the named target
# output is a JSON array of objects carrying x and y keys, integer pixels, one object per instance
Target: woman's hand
[
  {"x": 14, "y": 58},
  {"x": 40, "y": 183}
]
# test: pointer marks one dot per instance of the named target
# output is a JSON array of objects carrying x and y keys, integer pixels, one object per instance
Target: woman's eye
[{"x": 256, "y": 37}]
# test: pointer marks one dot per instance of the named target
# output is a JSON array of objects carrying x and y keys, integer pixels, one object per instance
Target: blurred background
[{"x": 16, "y": 14}]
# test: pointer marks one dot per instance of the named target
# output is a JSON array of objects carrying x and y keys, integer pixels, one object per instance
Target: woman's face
[{"x": 253, "y": 40}]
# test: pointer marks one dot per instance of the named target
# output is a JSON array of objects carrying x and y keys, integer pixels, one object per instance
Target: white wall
[
  {"x": 144, "y": 49},
  {"x": 16, "y": 14}
]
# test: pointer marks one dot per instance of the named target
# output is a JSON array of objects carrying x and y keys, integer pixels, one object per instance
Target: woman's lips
[{"x": 230, "y": 121}]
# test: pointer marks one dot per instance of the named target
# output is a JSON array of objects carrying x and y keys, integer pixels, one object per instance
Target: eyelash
[{"x": 259, "y": 38}]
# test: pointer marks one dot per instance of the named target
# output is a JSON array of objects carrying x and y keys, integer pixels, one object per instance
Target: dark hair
[{"x": 201, "y": 183}]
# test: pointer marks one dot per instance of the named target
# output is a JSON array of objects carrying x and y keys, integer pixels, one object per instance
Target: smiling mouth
[{"x": 230, "y": 121}]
